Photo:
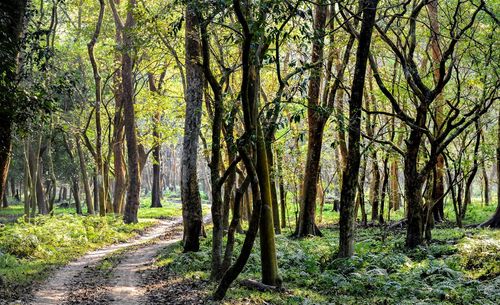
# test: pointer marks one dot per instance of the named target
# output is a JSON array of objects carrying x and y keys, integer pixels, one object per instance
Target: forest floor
[
  {"x": 109, "y": 275},
  {"x": 459, "y": 266},
  {"x": 70, "y": 259}
]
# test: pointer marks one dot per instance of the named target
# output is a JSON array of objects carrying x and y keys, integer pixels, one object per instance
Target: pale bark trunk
[{"x": 85, "y": 179}]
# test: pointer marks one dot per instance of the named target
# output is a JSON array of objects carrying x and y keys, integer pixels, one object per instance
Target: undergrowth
[{"x": 459, "y": 266}]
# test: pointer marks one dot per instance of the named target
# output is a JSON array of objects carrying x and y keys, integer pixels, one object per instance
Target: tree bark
[
  {"x": 156, "y": 188},
  {"x": 85, "y": 179},
  {"x": 118, "y": 126},
  {"x": 191, "y": 201},
  {"x": 395, "y": 200},
  {"x": 316, "y": 121},
  {"x": 274, "y": 193},
  {"x": 385, "y": 183},
  {"x": 413, "y": 186},
  {"x": 438, "y": 188},
  {"x": 134, "y": 182},
  {"x": 281, "y": 183},
  {"x": 232, "y": 273},
  {"x": 98, "y": 99},
  {"x": 75, "y": 189},
  {"x": 350, "y": 174},
  {"x": 494, "y": 221}
]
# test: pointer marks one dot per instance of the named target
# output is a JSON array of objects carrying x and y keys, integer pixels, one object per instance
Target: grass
[{"x": 460, "y": 266}]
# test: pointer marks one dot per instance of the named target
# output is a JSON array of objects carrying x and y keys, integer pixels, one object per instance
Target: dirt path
[
  {"x": 124, "y": 281},
  {"x": 125, "y": 286}
]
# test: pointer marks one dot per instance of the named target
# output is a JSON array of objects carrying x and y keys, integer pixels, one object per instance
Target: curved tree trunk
[{"x": 98, "y": 98}]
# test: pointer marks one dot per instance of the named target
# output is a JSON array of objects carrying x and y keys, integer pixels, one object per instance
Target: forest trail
[{"x": 123, "y": 286}]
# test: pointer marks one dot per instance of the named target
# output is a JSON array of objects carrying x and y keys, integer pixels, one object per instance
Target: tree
[
  {"x": 191, "y": 201},
  {"x": 11, "y": 26},
  {"x": 319, "y": 110},
  {"x": 120, "y": 170},
  {"x": 307, "y": 223},
  {"x": 98, "y": 99},
  {"x": 156, "y": 190},
  {"x": 134, "y": 179},
  {"x": 350, "y": 173},
  {"x": 494, "y": 221},
  {"x": 455, "y": 122}
]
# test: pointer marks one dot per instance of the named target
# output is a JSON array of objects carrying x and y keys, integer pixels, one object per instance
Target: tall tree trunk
[
  {"x": 494, "y": 221},
  {"x": 53, "y": 181},
  {"x": 281, "y": 183},
  {"x": 11, "y": 28},
  {"x": 360, "y": 196},
  {"x": 118, "y": 126},
  {"x": 274, "y": 193},
  {"x": 27, "y": 178},
  {"x": 156, "y": 188},
  {"x": 95, "y": 192},
  {"x": 350, "y": 174},
  {"x": 370, "y": 129},
  {"x": 235, "y": 222},
  {"x": 316, "y": 121},
  {"x": 134, "y": 182},
  {"x": 375, "y": 188},
  {"x": 13, "y": 186},
  {"x": 40, "y": 195},
  {"x": 98, "y": 98},
  {"x": 438, "y": 189},
  {"x": 5, "y": 202},
  {"x": 75, "y": 189},
  {"x": 486, "y": 184},
  {"x": 191, "y": 201},
  {"x": 413, "y": 186},
  {"x": 85, "y": 179},
  {"x": 269, "y": 263},
  {"x": 229, "y": 195},
  {"x": 385, "y": 189},
  {"x": 120, "y": 168},
  {"x": 215, "y": 163},
  {"x": 395, "y": 199}
]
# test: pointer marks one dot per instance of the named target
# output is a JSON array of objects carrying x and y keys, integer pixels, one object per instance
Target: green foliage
[
  {"x": 460, "y": 266},
  {"x": 480, "y": 255}
]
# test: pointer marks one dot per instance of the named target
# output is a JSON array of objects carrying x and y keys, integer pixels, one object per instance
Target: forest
[{"x": 249, "y": 152}]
